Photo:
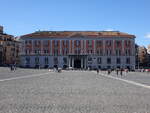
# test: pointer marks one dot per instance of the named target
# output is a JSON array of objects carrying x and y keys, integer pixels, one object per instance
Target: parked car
[{"x": 147, "y": 70}]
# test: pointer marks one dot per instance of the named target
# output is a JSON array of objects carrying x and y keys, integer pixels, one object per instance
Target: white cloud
[
  {"x": 109, "y": 30},
  {"x": 148, "y": 35}
]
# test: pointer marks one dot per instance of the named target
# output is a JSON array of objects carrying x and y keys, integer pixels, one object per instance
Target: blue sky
[{"x": 20, "y": 17}]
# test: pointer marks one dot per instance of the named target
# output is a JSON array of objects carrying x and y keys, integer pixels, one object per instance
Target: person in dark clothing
[
  {"x": 109, "y": 71},
  {"x": 121, "y": 72},
  {"x": 97, "y": 71},
  {"x": 117, "y": 71},
  {"x": 15, "y": 66},
  {"x": 11, "y": 67}
]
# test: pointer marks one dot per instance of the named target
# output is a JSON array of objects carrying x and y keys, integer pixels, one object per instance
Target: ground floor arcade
[{"x": 78, "y": 61}]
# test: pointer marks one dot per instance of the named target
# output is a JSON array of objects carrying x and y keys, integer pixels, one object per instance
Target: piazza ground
[{"x": 41, "y": 91}]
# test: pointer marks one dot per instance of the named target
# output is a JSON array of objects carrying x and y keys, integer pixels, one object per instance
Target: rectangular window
[
  {"x": 37, "y": 60},
  {"x": 45, "y": 42},
  {"x": 118, "y": 61},
  {"x": 128, "y": 43},
  {"x": 26, "y": 42},
  {"x": 66, "y": 50},
  {"x": 45, "y": 51},
  {"x": 108, "y": 43},
  {"x": 65, "y": 60},
  {"x": 55, "y": 60},
  {"x": 39, "y": 42},
  {"x": 118, "y": 52},
  {"x": 55, "y": 51},
  {"x": 27, "y": 51},
  {"x": 98, "y": 43},
  {"x": 55, "y": 43},
  {"x": 99, "y": 51},
  {"x": 89, "y": 59},
  {"x": 77, "y": 42},
  {"x": 128, "y": 61},
  {"x": 99, "y": 60},
  {"x": 30, "y": 42},
  {"x": 77, "y": 51},
  {"x": 128, "y": 52},
  {"x": 89, "y": 51},
  {"x": 118, "y": 44},
  {"x": 46, "y": 60},
  {"x": 90, "y": 43},
  {"x": 37, "y": 51},
  {"x": 36, "y": 43},
  {"x": 108, "y": 60},
  {"x": 27, "y": 60},
  {"x": 108, "y": 52},
  {"x": 65, "y": 42}
]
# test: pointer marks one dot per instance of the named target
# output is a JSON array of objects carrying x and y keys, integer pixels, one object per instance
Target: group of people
[
  {"x": 13, "y": 67},
  {"x": 121, "y": 71},
  {"x": 118, "y": 71}
]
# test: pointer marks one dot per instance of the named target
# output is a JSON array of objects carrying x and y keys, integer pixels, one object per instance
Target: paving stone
[{"x": 70, "y": 92}]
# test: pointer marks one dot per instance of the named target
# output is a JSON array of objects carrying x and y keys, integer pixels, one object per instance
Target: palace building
[
  {"x": 78, "y": 49},
  {"x": 9, "y": 49}
]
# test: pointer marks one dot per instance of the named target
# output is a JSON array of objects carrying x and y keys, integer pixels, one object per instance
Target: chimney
[{"x": 1, "y": 29}]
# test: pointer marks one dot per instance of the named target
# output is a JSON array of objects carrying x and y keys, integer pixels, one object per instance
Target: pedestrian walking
[
  {"x": 121, "y": 72},
  {"x": 126, "y": 71},
  {"x": 109, "y": 71},
  {"x": 97, "y": 71},
  {"x": 12, "y": 67},
  {"x": 117, "y": 71}
]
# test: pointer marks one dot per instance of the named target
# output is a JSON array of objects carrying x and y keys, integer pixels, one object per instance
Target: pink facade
[
  {"x": 78, "y": 49},
  {"x": 65, "y": 47}
]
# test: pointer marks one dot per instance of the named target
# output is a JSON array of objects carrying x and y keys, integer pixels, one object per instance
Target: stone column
[
  {"x": 104, "y": 51},
  {"x": 85, "y": 63},
  {"x": 69, "y": 46},
  {"x": 69, "y": 61},
  {"x": 72, "y": 46},
  {"x": 50, "y": 47},
  {"x": 122, "y": 51},
  {"x": 133, "y": 47},
  {"x": 94, "y": 46},
  {"x": 85, "y": 46},
  {"x": 82, "y": 63},
  {"x": 113, "y": 48},
  {"x": 73, "y": 62},
  {"x": 24, "y": 48},
  {"x": 32, "y": 52},
  {"x": 41, "y": 47},
  {"x": 60, "y": 47}
]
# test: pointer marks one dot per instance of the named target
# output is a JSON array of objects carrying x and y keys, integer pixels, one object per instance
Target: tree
[
  {"x": 142, "y": 56},
  {"x": 148, "y": 51}
]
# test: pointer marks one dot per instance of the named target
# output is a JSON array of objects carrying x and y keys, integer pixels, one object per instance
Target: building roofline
[{"x": 70, "y": 34}]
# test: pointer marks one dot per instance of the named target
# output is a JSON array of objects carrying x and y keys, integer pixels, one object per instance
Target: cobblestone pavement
[
  {"x": 71, "y": 92},
  {"x": 6, "y": 73},
  {"x": 140, "y": 77}
]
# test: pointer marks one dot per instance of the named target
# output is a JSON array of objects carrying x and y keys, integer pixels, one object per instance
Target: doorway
[{"x": 77, "y": 63}]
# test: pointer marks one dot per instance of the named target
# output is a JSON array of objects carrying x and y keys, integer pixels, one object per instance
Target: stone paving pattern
[
  {"x": 70, "y": 92},
  {"x": 140, "y": 77}
]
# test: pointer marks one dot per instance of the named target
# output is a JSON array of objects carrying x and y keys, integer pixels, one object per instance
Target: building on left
[
  {"x": 148, "y": 51},
  {"x": 9, "y": 49}
]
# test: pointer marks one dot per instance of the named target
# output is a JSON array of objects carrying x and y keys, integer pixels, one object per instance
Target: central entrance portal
[{"x": 77, "y": 63}]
